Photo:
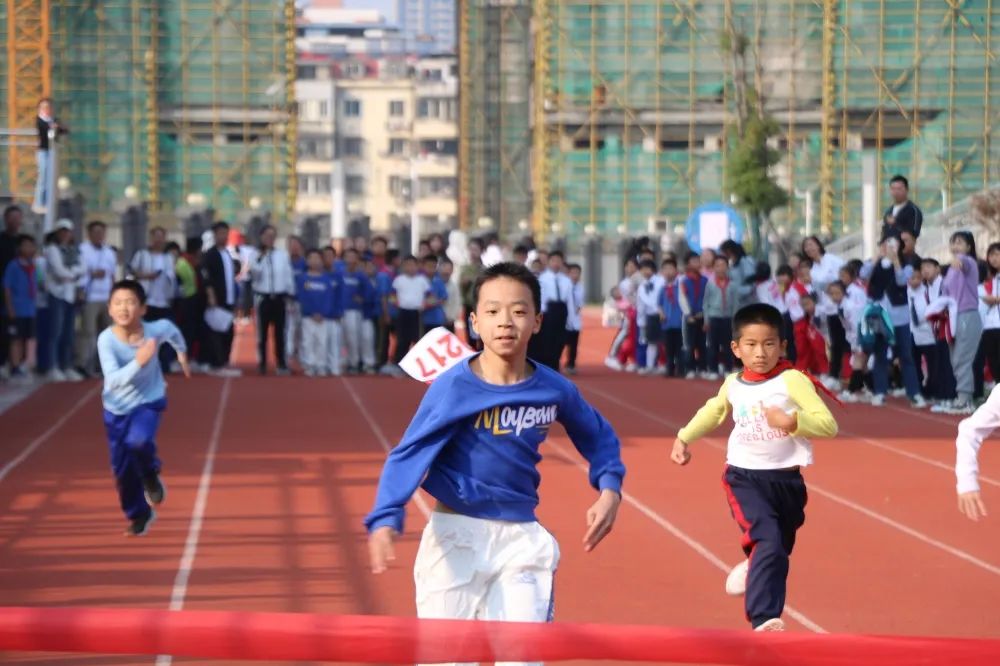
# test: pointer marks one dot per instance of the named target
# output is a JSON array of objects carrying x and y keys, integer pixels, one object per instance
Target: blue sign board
[{"x": 711, "y": 224}]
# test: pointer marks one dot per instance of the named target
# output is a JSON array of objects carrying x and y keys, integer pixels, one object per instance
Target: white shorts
[{"x": 478, "y": 569}]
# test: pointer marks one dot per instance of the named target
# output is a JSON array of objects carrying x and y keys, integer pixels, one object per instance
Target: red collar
[{"x": 783, "y": 365}]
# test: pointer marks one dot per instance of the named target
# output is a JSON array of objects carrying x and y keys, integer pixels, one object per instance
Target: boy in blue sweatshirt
[
  {"x": 134, "y": 399},
  {"x": 438, "y": 296},
  {"x": 693, "y": 285},
  {"x": 321, "y": 303},
  {"x": 672, "y": 318},
  {"x": 473, "y": 446},
  {"x": 360, "y": 348}
]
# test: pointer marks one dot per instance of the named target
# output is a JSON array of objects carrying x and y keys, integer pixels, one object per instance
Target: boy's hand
[
  {"x": 680, "y": 453},
  {"x": 182, "y": 360},
  {"x": 779, "y": 418},
  {"x": 601, "y": 518},
  {"x": 380, "y": 550},
  {"x": 971, "y": 505},
  {"x": 146, "y": 351}
]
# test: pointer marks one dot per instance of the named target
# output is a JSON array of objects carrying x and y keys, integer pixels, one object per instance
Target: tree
[
  {"x": 749, "y": 159},
  {"x": 748, "y": 176}
]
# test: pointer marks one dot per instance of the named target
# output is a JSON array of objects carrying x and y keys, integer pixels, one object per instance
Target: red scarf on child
[{"x": 783, "y": 365}]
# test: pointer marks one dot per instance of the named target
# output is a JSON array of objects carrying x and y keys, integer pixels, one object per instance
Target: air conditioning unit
[
  {"x": 713, "y": 143},
  {"x": 658, "y": 225}
]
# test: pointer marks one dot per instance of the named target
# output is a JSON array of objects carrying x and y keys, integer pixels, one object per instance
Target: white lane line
[
  {"x": 382, "y": 439},
  {"x": 41, "y": 439},
  {"x": 905, "y": 529},
  {"x": 186, "y": 565},
  {"x": 687, "y": 539}
]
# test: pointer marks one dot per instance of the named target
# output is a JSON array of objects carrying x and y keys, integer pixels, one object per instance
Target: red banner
[{"x": 374, "y": 639}]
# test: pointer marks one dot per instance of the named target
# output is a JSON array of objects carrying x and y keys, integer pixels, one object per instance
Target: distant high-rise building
[{"x": 428, "y": 25}]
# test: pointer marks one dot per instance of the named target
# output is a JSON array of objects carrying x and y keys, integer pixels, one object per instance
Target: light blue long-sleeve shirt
[{"x": 126, "y": 383}]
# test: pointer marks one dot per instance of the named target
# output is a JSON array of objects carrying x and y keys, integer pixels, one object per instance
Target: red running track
[{"x": 883, "y": 551}]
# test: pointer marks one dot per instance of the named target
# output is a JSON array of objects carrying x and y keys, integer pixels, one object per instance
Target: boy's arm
[
  {"x": 596, "y": 441},
  {"x": 813, "y": 418},
  {"x": 9, "y": 300},
  {"x": 407, "y": 464},
  {"x": 971, "y": 433},
  {"x": 708, "y": 417},
  {"x": 165, "y": 330}
]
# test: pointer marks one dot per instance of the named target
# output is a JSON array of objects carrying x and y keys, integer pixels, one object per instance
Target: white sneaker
[
  {"x": 775, "y": 624},
  {"x": 961, "y": 408},
  {"x": 847, "y": 397},
  {"x": 227, "y": 372},
  {"x": 631, "y": 367},
  {"x": 736, "y": 581},
  {"x": 918, "y": 402},
  {"x": 73, "y": 376},
  {"x": 898, "y": 393},
  {"x": 690, "y": 375},
  {"x": 711, "y": 376},
  {"x": 942, "y": 407},
  {"x": 310, "y": 372},
  {"x": 878, "y": 401},
  {"x": 56, "y": 375},
  {"x": 613, "y": 363}
]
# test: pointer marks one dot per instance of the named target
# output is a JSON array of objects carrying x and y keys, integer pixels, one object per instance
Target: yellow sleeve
[
  {"x": 814, "y": 417},
  {"x": 708, "y": 417}
]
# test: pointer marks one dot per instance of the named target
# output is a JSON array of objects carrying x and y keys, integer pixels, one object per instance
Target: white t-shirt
[
  {"x": 411, "y": 291},
  {"x": 95, "y": 289},
  {"x": 160, "y": 289}
]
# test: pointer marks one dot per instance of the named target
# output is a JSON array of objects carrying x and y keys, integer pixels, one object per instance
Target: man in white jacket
[{"x": 100, "y": 263}]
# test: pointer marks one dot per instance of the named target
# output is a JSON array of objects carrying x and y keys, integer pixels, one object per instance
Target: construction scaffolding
[
  {"x": 495, "y": 84},
  {"x": 634, "y": 98},
  {"x": 172, "y": 98},
  {"x": 24, "y": 80}
]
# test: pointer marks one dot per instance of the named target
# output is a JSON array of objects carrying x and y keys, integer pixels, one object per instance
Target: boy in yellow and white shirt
[{"x": 776, "y": 409}]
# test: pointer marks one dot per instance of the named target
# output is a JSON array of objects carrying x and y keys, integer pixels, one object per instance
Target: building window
[
  {"x": 305, "y": 72},
  {"x": 322, "y": 184},
  {"x": 437, "y": 187},
  {"x": 397, "y": 146},
  {"x": 396, "y": 108},
  {"x": 355, "y": 185},
  {"x": 324, "y": 109},
  {"x": 352, "y": 108},
  {"x": 397, "y": 186},
  {"x": 304, "y": 184},
  {"x": 439, "y": 147},
  {"x": 352, "y": 146},
  {"x": 437, "y": 108}
]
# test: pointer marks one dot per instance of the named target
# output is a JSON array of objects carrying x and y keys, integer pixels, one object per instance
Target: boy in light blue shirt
[{"x": 134, "y": 398}]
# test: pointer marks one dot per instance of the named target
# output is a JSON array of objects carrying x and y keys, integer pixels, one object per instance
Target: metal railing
[{"x": 27, "y": 138}]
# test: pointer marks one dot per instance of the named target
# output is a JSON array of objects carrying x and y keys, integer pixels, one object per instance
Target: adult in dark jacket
[
  {"x": 903, "y": 214},
  {"x": 44, "y": 122},
  {"x": 12, "y": 218},
  {"x": 218, "y": 276}
]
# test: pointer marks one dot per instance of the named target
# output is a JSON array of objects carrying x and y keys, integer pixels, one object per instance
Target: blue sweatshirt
[
  {"x": 355, "y": 289},
  {"x": 474, "y": 446},
  {"x": 299, "y": 267},
  {"x": 383, "y": 287},
  {"x": 320, "y": 295},
  {"x": 128, "y": 385},
  {"x": 435, "y": 316},
  {"x": 373, "y": 301},
  {"x": 694, "y": 292},
  {"x": 22, "y": 281},
  {"x": 670, "y": 303}
]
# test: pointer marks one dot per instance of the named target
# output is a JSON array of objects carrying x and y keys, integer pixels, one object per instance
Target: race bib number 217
[{"x": 438, "y": 351}]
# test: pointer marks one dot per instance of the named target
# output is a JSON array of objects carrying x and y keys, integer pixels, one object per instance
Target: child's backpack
[{"x": 874, "y": 325}]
